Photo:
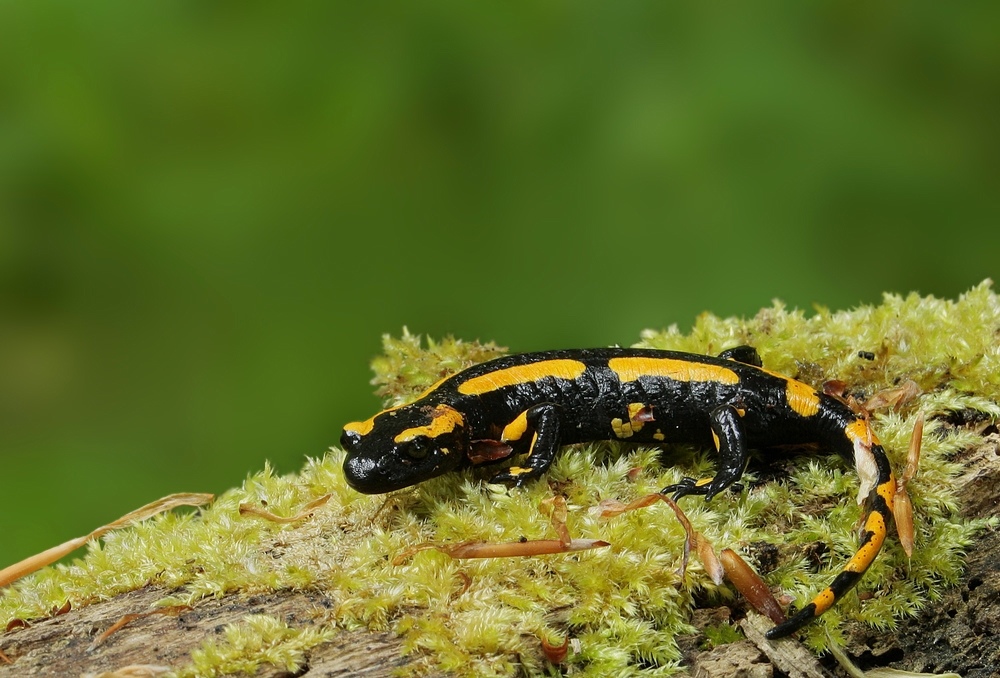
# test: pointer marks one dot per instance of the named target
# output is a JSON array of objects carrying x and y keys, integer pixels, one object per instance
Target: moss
[
  {"x": 720, "y": 634},
  {"x": 257, "y": 640},
  {"x": 406, "y": 368},
  {"x": 624, "y": 604}
]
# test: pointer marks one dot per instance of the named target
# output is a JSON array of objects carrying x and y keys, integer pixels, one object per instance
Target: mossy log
[{"x": 321, "y": 595}]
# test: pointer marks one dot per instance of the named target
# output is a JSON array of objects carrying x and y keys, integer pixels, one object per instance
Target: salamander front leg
[
  {"x": 730, "y": 441},
  {"x": 540, "y": 426}
]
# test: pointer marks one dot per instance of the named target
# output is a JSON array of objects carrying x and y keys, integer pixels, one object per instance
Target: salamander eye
[
  {"x": 417, "y": 448},
  {"x": 349, "y": 440}
]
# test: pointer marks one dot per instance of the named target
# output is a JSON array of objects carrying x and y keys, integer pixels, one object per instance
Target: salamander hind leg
[
  {"x": 730, "y": 441},
  {"x": 539, "y": 425}
]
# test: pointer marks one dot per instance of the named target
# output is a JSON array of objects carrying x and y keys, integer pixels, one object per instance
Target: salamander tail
[{"x": 872, "y": 537}]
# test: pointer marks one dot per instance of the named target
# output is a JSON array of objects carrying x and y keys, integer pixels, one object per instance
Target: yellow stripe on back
[
  {"x": 522, "y": 374},
  {"x": 365, "y": 427},
  {"x": 802, "y": 398},
  {"x": 631, "y": 369},
  {"x": 444, "y": 419}
]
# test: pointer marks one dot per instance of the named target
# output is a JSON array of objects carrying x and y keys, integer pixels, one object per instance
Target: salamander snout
[
  {"x": 402, "y": 447},
  {"x": 361, "y": 473}
]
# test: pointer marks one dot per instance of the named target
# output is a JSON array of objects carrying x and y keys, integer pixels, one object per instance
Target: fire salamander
[{"x": 534, "y": 403}]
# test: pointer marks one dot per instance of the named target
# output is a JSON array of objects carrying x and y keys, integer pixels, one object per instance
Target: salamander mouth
[
  {"x": 386, "y": 474},
  {"x": 361, "y": 474}
]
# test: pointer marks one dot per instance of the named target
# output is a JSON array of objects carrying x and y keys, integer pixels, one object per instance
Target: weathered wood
[
  {"x": 959, "y": 633},
  {"x": 59, "y": 646},
  {"x": 788, "y": 656}
]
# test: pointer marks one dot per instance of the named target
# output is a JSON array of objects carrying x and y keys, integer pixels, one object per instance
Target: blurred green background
[{"x": 210, "y": 212}]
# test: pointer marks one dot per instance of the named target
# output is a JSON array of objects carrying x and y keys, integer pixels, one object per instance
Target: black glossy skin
[
  {"x": 586, "y": 406},
  {"x": 728, "y": 402}
]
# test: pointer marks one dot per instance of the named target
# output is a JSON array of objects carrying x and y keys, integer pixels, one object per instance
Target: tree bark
[{"x": 60, "y": 646}]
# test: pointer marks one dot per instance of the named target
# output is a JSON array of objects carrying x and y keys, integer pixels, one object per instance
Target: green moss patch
[{"x": 621, "y": 605}]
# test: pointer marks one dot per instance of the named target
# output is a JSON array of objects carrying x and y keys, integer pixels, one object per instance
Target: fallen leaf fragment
[
  {"x": 835, "y": 388},
  {"x": 555, "y": 653},
  {"x": 520, "y": 549},
  {"x": 749, "y": 583},
  {"x": 516, "y": 549},
  {"x": 609, "y": 508},
  {"x": 695, "y": 541},
  {"x": 36, "y": 562},
  {"x": 17, "y": 624},
  {"x": 893, "y": 397},
  {"x": 902, "y": 506},
  {"x": 698, "y": 543},
  {"x": 5, "y": 659},
  {"x": 555, "y": 507},
  {"x": 466, "y": 583},
  {"x": 558, "y": 513},
  {"x": 172, "y": 610},
  {"x": 308, "y": 510},
  {"x": 902, "y": 513}
]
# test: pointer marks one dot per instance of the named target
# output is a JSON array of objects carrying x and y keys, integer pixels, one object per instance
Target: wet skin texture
[{"x": 534, "y": 403}]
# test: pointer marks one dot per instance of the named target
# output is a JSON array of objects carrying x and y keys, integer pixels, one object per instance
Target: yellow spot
[
  {"x": 631, "y": 369},
  {"x": 801, "y": 397},
  {"x": 444, "y": 419},
  {"x": 861, "y": 432},
  {"x": 715, "y": 439},
  {"x": 659, "y": 435},
  {"x": 515, "y": 429},
  {"x": 639, "y": 414},
  {"x": 522, "y": 374},
  {"x": 702, "y": 481},
  {"x": 824, "y": 600},
  {"x": 866, "y": 554},
  {"x": 518, "y": 470},
  {"x": 621, "y": 429},
  {"x": 887, "y": 490},
  {"x": 740, "y": 411}
]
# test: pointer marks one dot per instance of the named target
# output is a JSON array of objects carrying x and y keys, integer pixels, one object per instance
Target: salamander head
[{"x": 403, "y": 446}]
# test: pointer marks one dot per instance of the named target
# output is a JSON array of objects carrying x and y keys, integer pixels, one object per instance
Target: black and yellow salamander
[{"x": 534, "y": 403}]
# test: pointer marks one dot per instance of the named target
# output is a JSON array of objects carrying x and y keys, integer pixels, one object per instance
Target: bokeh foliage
[{"x": 209, "y": 213}]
